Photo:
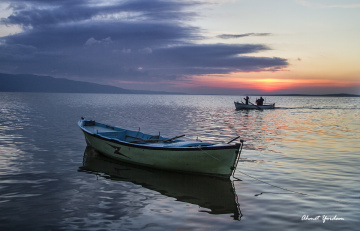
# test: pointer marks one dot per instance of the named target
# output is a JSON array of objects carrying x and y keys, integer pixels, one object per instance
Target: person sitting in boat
[
  {"x": 260, "y": 101},
  {"x": 247, "y": 100}
]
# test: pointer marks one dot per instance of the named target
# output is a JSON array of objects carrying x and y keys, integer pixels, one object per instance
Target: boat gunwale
[{"x": 142, "y": 146}]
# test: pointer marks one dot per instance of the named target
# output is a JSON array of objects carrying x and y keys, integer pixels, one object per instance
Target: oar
[
  {"x": 256, "y": 106},
  {"x": 155, "y": 140},
  {"x": 173, "y": 138},
  {"x": 233, "y": 139}
]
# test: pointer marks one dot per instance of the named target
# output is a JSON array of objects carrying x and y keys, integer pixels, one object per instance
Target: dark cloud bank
[{"x": 137, "y": 40}]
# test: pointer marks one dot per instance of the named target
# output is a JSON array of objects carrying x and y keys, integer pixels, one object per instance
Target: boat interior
[
  {"x": 118, "y": 133},
  {"x": 137, "y": 136}
]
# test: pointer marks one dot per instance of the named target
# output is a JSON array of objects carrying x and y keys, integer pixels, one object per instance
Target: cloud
[
  {"x": 138, "y": 40},
  {"x": 319, "y": 5},
  {"x": 36, "y": 13},
  {"x": 231, "y": 36},
  {"x": 91, "y": 41},
  {"x": 146, "y": 50},
  {"x": 344, "y": 6},
  {"x": 216, "y": 59}
]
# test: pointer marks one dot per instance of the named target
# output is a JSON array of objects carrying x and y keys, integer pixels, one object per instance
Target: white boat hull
[
  {"x": 218, "y": 160},
  {"x": 197, "y": 189},
  {"x": 240, "y": 106}
]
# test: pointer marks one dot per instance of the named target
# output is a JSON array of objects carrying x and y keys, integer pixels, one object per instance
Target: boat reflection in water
[{"x": 212, "y": 193}]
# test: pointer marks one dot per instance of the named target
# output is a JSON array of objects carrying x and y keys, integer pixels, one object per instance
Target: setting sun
[{"x": 271, "y": 85}]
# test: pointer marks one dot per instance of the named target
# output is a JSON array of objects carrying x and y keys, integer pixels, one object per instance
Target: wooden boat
[
  {"x": 241, "y": 105},
  {"x": 214, "y": 195},
  {"x": 162, "y": 153}
]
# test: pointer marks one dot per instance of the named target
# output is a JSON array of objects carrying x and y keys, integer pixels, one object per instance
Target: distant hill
[{"x": 35, "y": 83}]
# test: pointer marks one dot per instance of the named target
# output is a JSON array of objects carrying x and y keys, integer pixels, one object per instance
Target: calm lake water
[{"x": 300, "y": 165}]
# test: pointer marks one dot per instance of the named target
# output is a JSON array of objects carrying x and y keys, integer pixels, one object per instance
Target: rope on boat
[
  {"x": 233, "y": 168},
  {"x": 208, "y": 153}
]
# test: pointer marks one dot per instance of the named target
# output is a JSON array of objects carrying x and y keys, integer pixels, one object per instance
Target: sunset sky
[{"x": 201, "y": 47}]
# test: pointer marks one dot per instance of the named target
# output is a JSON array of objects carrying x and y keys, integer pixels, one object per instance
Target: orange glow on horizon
[
  {"x": 266, "y": 85},
  {"x": 246, "y": 81}
]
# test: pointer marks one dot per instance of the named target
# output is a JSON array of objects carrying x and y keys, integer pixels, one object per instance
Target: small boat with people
[
  {"x": 259, "y": 104},
  {"x": 155, "y": 151}
]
